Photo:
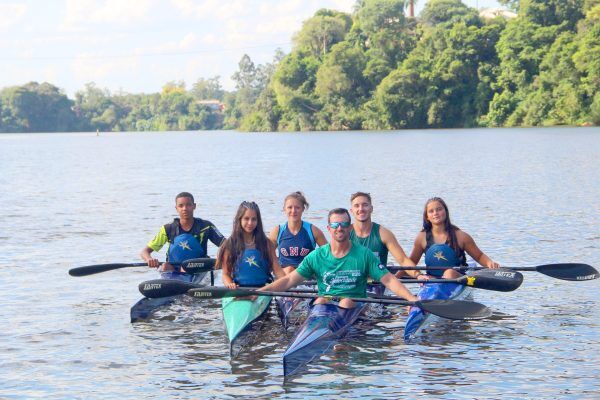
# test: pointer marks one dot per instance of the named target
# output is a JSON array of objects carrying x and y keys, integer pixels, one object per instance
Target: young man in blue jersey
[
  {"x": 375, "y": 237},
  {"x": 187, "y": 237}
]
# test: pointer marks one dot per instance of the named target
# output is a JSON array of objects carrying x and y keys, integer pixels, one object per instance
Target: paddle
[
  {"x": 564, "y": 271},
  {"x": 165, "y": 287},
  {"x": 499, "y": 280},
  {"x": 192, "y": 266},
  {"x": 451, "y": 309}
]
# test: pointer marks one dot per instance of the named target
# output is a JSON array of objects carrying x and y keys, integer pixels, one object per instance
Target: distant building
[
  {"x": 491, "y": 13},
  {"x": 214, "y": 105}
]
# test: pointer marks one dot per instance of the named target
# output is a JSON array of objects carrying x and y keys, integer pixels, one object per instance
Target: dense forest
[{"x": 373, "y": 69}]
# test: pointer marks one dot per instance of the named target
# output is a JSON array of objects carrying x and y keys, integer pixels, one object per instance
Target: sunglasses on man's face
[{"x": 335, "y": 225}]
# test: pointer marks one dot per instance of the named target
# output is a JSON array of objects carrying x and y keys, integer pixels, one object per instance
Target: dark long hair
[
  {"x": 235, "y": 243},
  {"x": 448, "y": 226}
]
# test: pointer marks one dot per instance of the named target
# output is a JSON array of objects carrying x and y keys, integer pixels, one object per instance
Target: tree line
[{"x": 372, "y": 69}]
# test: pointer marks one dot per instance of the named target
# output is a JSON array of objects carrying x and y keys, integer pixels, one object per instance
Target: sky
[{"x": 137, "y": 46}]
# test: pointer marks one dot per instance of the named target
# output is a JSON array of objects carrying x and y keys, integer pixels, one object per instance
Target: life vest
[
  {"x": 442, "y": 255},
  {"x": 184, "y": 245},
  {"x": 252, "y": 269}
]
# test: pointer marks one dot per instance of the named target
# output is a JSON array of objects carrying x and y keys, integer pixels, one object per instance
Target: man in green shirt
[{"x": 341, "y": 267}]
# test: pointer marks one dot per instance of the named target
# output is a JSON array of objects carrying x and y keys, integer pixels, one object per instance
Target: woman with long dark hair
[
  {"x": 444, "y": 244},
  {"x": 248, "y": 257}
]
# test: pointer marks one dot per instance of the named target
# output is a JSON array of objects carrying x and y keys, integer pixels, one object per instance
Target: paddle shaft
[
  {"x": 192, "y": 266},
  {"x": 564, "y": 271},
  {"x": 451, "y": 309}
]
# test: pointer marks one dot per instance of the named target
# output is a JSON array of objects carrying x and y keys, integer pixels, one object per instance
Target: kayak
[
  {"x": 324, "y": 325},
  {"x": 145, "y": 307},
  {"x": 293, "y": 310},
  {"x": 240, "y": 317},
  {"x": 418, "y": 321}
]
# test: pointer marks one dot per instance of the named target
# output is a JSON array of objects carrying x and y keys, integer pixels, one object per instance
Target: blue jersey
[
  {"x": 442, "y": 255},
  {"x": 252, "y": 269},
  {"x": 293, "y": 248}
]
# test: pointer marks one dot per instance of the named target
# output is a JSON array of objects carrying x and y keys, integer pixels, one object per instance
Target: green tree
[
  {"x": 36, "y": 107},
  {"x": 323, "y": 30},
  {"x": 207, "y": 89}
]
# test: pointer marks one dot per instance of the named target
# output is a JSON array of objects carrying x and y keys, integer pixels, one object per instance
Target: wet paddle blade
[
  {"x": 569, "y": 271},
  {"x": 455, "y": 309},
  {"x": 165, "y": 287},
  {"x": 198, "y": 265},
  {"x": 219, "y": 293},
  {"x": 501, "y": 280},
  {"x": 98, "y": 268}
]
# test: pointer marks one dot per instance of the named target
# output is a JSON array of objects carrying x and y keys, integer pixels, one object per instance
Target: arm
[
  {"x": 390, "y": 241},
  {"x": 273, "y": 235},
  {"x": 290, "y": 280},
  {"x": 146, "y": 255},
  {"x": 215, "y": 236},
  {"x": 397, "y": 287},
  {"x": 275, "y": 267},
  {"x": 468, "y": 244},
  {"x": 319, "y": 236},
  {"x": 155, "y": 245},
  {"x": 418, "y": 248}
]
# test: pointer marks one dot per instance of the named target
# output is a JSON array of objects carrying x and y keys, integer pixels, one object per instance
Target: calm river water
[{"x": 527, "y": 196}]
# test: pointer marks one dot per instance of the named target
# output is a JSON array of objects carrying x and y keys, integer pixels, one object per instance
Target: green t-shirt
[{"x": 346, "y": 276}]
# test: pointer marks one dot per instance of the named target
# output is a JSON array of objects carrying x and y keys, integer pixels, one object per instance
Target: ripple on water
[{"x": 68, "y": 337}]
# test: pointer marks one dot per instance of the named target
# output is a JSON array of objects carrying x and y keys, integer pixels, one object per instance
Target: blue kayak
[
  {"x": 325, "y": 324},
  {"x": 145, "y": 307},
  {"x": 293, "y": 310},
  {"x": 418, "y": 320}
]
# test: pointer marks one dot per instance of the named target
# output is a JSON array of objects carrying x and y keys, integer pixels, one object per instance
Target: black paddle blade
[
  {"x": 164, "y": 287},
  {"x": 455, "y": 309},
  {"x": 95, "y": 269},
  {"x": 198, "y": 265},
  {"x": 500, "y": 280},
  {"x": 218, "y": 293},
  {"x": 569, "y": 271}
]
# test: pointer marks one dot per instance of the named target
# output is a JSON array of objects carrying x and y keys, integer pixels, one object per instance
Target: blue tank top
[
  {"x": 251, "y": 269},
  {"x": 441, "y": 255},
  {"x": 293, "y": 248}
]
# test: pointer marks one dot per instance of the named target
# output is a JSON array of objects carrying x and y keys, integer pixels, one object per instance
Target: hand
[
  {"x": 493, "y": 264},
  {"x": 230, "y": 285},
  {"x": 166, "y": 267},
  {"x": 153, "y": 263},
  {"x": 423, "y": 277}
]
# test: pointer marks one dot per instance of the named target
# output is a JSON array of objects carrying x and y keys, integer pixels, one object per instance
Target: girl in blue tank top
[
  {"x": 444, "y": 244},
  {"x": 296, "y": 238},
  {"x": 247, "y": 257}
]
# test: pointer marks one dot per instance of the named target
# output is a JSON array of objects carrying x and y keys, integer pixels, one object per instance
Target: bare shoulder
[
  {"x": 386, "y": 235},
  {"x": 420, "y": 239},
  {"x": 273, "y": 234},
  {"x": 463, "y": 237}
]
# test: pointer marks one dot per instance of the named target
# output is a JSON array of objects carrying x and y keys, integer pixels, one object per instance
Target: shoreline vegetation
[{"x": 373, "y": 69}]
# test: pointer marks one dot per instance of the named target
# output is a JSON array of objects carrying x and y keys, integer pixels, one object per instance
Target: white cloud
[
  {"x": 89, "y": 67},
  {"x": 83, "y": 12},
  {"x": 188, "y": 41},
  {"x": 11, "y": 14}
]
